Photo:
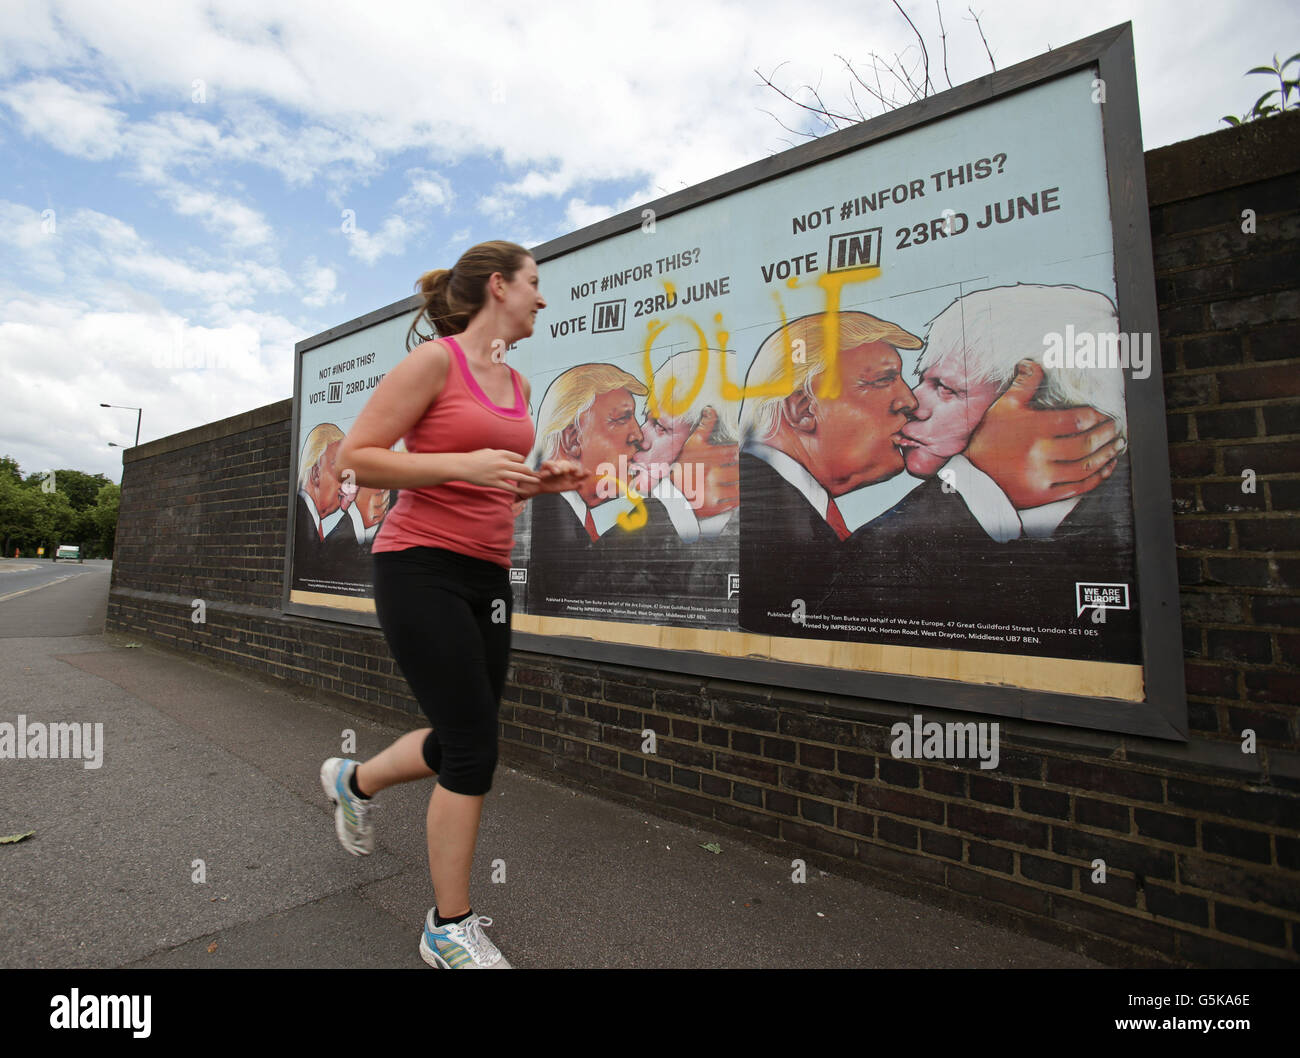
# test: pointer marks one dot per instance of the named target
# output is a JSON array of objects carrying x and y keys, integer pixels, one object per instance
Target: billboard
[{"x": 880, "y": 415}]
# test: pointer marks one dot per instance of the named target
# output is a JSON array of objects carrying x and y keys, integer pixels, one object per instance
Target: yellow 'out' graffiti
[
  {"x": 832, "y": 284},
  {"x": 638, "y": 515}
]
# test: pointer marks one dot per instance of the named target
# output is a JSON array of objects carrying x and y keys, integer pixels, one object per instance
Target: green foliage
[
  {"x": 104, "y": 514},
  {"x": 1263, "y": 108},
  {"x": 82, "y": 510}
]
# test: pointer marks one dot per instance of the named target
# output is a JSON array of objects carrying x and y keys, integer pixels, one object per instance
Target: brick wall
[{"x": 1201, "y": 842}]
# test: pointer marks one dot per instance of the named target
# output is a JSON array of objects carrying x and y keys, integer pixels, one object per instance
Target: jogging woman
[{"x": 441, "y": 562}]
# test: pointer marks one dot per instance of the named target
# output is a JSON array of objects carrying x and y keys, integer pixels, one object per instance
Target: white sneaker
[
  {"x": 460, "y": 945},
  {"x": 351, "y": 814}
]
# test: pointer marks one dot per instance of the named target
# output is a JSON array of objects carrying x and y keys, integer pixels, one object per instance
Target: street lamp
[{"x": 139, "y": 415}]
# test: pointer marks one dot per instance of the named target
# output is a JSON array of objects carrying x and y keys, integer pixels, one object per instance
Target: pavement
[{"x": 203, "y": 839}]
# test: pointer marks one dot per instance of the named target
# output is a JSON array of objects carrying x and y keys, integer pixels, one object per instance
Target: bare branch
[
  {"x": 810, "y": 135},
  {"x": 889, "y": 68},
  {"x": 824, "y": 109},
  {"x": 914, "y": 79},
  {"x": 906, "y": 79},
  {"x": 943, "y": 36},
  {"x": 856, "y": 105},
  {"x": 982, "y": 37},
  {"x": 823, "y": 112},
  {"x": 925, "y": 54},
  {"x": 860, "y": 81}
]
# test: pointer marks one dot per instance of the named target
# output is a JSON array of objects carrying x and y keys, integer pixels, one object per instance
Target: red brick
[
  {"x": 886, "y": 799},
  {"x": 1280, "y": 687},
  {"x": 1227, "y": 496},
  {"x": 1189, "y": 391},
  {"x": 1265, "y": 458},
  {"x": 1234, "y": 644},
  {"x": 1226, "y": 423},
  {"x": 1210, "y": 681},
  {"x": 1244, "y": 572},
  {"x": 1279, "y": 533},
  {"x": 1259, "y": 383},
  {"x": 1201, "y": 533},
  {"x": 1191, "y": 461}
]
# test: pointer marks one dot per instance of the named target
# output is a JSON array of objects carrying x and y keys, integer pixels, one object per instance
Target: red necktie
[
  {"x": 835, "y": 520},
  {"x": 591, "y": 526}
]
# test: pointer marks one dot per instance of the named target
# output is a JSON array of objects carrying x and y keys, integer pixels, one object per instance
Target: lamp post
[{"x": 139, "y": 415}]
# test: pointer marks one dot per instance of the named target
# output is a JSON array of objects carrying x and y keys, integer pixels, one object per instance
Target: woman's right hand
[{"x": 496, "y": 468}]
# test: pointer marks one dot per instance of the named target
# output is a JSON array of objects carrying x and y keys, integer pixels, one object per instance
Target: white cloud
[
  {"x": 227, "y": 217},
  {"x": 93, "y": 250},
  {"x": 575, "y": 92},
  {"x": 110, "y": 231},
  {"x": 32, "y": 236},
  {"x": 390, "y": 239},
  {"x": 428, "y": 189},
  {"x": 79, "y": 122},
  {"x": 318, "y": 285},
  {"x": 62, "y": 357},
  {"x": 237, "y": 287},
  {"x": 578, "y": 213}
]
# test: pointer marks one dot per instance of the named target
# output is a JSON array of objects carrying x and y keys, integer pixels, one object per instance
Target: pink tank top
[{"x": 474, "y": 520}]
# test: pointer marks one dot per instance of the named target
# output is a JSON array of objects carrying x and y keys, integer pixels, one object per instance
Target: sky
[{"x": 188, "y": 189}]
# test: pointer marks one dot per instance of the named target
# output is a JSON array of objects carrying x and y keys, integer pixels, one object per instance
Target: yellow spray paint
[{"x": 832, "y": 285}]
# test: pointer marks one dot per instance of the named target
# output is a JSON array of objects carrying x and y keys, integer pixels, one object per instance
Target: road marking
[{"x": 15, "y": 594}]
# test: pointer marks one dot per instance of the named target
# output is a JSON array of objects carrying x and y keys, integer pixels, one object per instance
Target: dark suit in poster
[
  {"x": 648, "y": 567},
  {"x": 337, "y": 565},
  {"x": 929, "y": 559},
  {"x": 787, "y": 552}
]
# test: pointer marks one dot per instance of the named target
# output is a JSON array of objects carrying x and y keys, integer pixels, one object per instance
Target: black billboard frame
[{"x": 1163, "y": 713}]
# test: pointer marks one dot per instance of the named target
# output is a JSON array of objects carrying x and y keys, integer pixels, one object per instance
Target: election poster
[
  {"x": 333, "y": 521},
  {"x": 877, "y": 408},
  {"x": 784, "y": 395}
]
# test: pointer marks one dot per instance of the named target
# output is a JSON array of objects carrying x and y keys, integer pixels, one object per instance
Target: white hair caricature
[{"x": 990, "y": 331}]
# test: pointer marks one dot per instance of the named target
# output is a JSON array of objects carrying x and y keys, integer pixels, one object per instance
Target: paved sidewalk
[{"x": 201, "y": 763}]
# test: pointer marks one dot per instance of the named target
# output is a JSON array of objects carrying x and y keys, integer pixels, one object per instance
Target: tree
[
  {"x": 30, "y": 518},
  {"x": 78, "y": 510},
  {"x": 9, "y": 470},
  {"x": 80, "y": 488},
  {"x": 105, "y": 515}
]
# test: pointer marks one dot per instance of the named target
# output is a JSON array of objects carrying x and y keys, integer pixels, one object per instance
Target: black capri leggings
[{"x": 446, "y": 617}]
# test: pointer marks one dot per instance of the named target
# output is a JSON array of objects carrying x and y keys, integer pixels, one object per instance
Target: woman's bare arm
[{"x": 398, "y": 403}]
